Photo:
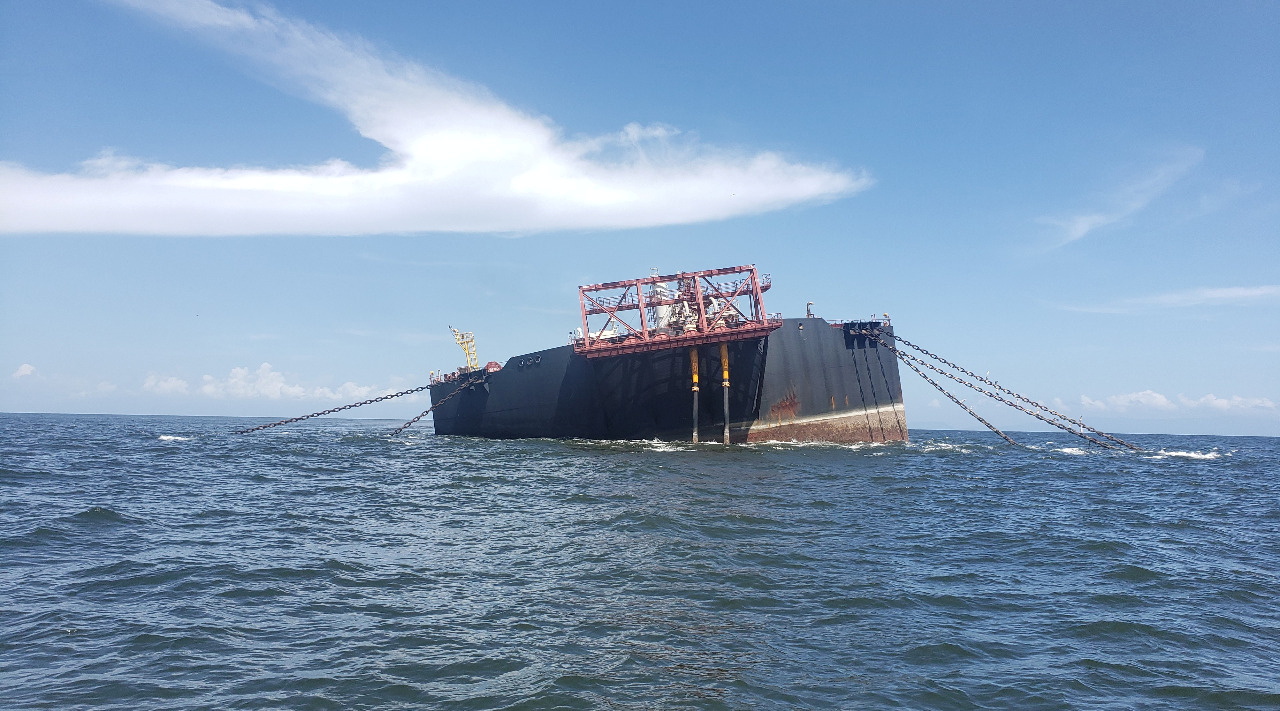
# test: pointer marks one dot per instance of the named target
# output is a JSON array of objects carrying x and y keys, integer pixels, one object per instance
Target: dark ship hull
[{"x": 809, "y": 380}]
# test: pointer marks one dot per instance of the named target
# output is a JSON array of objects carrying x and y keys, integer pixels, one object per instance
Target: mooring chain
[
  {"x": 959, "y": 402},
  {"x": 1027, "y": 400},
  {"x": 330, "y": 411},
  {"x": 988, "y": 393},
  {"x": 1004, "y": 400},
  {"x": 443, "y": 400}
]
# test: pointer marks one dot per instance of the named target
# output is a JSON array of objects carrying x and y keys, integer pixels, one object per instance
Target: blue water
[{"x": 166, "y": 563}]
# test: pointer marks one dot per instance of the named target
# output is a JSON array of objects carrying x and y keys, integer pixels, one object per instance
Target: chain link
[
  {"x": 959, "y": 402},
  {"x": 443, "y": 400},
  {"x": 331, "y": 411},
  {"x": 1007, "y": 391},
  {"x": 905, "y": 356}
]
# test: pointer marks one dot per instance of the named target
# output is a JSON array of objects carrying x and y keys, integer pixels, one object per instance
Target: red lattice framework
[{"x": 672, "y": 311}]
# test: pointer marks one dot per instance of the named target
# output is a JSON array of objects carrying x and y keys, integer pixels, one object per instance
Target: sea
[{"x": 169, "y": 563}]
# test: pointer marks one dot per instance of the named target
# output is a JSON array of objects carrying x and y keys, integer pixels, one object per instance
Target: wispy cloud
[
  {"x": 264, "y": 382},
  {"x": 1151, "y": 401},
  {"x": 165, "y": 385},
  {"x": 459, "y": 159},
  {"x": 1205, "y": 296},
  {"x": 1210, "y": 296},
  {"x": 25, "y": 370},
  {"x": 102, "y": 388},
  {"x": 1235, "y": 402},
  {"x": 1128, "y": 199},
  {"x": 1147, "y": 399}
]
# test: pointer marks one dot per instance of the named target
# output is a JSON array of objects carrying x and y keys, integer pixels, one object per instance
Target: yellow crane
[{"x": 468, "y": 343}]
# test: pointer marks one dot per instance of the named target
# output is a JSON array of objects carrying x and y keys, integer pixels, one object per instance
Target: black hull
[{"x": 807, "y": 381}]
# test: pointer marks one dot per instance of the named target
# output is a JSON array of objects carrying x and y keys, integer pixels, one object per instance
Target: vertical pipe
[
  {"x": 699, "y": 305},
  {"x": 644, "y": 319},
  {"x": 582, "y": 305},
  {"x": 693, "y": 363},
  {"x": 724, "y": 370},
  {"x": 757, "y": 300}
]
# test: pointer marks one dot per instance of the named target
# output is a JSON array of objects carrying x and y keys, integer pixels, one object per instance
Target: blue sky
[{"x": 251, "y": 209}]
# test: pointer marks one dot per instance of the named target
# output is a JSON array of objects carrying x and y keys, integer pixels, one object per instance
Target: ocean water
[{"x": 167, "y": 563}]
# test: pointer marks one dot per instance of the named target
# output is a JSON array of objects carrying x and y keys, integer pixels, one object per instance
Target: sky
[{"x": 260, "y": 209}]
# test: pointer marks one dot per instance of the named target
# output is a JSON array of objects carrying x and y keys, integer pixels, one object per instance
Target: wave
[{"x": 1163, "y": 453}]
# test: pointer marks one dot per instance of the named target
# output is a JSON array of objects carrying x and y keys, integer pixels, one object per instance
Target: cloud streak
[
  {"x": 1205, "y": 296},
  {"x": 1151, "y": 401},
  {"x": 1127, "y": 200},
  {"x": 458, "y": 159},
  {"x": 165, "y": 385},
  {"x": 264, "y": 382},
  {"x": 1210, "y": 296}
]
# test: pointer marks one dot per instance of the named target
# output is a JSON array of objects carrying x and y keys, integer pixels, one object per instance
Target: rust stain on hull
[{"x": 784, "y": 409}]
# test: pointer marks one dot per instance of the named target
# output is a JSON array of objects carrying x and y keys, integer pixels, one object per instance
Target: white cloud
[
  {"x": 24, "y": 370},
  {"x": 459, "y": 160},
  {"x": 266, "y": 382},
  {"x": 167, "y": 385},
  {"x": 103, "y": 388},
  {"x": 1235, "y": 402},
  {"x": 1128, "y": 199},
  {"x": 1210, "y": 296},
  {"x": 1150, "y": 400},
  {"x": 1207, "y": 296},
  {"x": 243, "y": 383},
  {"x": 348, "y": 391}
]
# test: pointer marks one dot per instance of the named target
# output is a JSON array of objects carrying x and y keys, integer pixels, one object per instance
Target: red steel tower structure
[{"x": 673, "y": 311}]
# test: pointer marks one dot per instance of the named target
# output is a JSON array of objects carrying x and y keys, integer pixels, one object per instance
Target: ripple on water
[
  {"x": 96, "y": 515},
  {"x": 159, "y": 563}
]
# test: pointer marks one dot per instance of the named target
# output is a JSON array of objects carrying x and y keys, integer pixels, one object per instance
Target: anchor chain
[
  {"x": 370, "y": 401},
  {"x": 443, "y": 400},
  {"x": 905, "y": 356},
  {"x": 330, "y": 411},
  {"x": 1007, "y": 391},
  {"x": 959, "y": 402}
]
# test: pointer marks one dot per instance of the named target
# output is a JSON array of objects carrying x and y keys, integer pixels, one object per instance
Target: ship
[{"x": 691, "y": 356}]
